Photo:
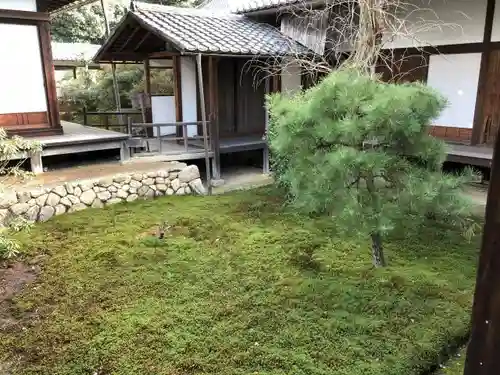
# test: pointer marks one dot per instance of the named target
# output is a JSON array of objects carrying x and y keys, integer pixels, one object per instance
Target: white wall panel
[
  {"x": 189, "y": 89},
  {"x": 21, "y": 74},
  {"x": 456, "y": 77},
  {"x": 163, "y": 108},
  {"x": 27, "y": 5}
]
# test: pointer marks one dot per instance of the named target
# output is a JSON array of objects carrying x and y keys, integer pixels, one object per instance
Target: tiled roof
[
  {"x": 73, "y": 51},
  {"x": 246, "y": 6},
  {"x": 205, "y": 31}
]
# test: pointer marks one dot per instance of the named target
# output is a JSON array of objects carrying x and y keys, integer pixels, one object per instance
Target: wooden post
[
  {"x": 204, "y": 120},
  {"x": 214, "y": 115},
  {"x": 177, "y": 89},
  {"x": 483, "y": 352},
  {"x": 85, "y": 119},
  {"x": 265, "y": 154}
]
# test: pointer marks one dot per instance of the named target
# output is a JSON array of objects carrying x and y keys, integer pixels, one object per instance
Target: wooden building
[
  {"x": 28, "y": 101},
  {"x": 233, "y": 49}
]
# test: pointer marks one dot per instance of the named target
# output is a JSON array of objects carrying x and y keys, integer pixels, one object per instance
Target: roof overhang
[
  {"x": 55, "y": 7},
  {"x": 292, "y": 5}
]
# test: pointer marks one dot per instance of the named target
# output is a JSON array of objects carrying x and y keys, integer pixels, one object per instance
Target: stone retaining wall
[{"x": 43, "y": 203}]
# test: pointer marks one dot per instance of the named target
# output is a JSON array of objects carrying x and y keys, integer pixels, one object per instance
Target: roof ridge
[{"x": 200, "y": 12}]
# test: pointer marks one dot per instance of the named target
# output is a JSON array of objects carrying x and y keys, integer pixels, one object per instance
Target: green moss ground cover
[{"x": 233, "y": 289}]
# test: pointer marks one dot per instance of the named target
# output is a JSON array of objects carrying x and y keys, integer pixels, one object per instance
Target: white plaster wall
[
  {"x": 456, "y": 77},
  {"x": 440, "y": 22},
  {"x": 21, "y": 73},
  {"x": 291, "y": 78},
  {"x": 189, "y": 93},
  {"x": 163, "y": 108},
  {"x": 27, "y": 5}
]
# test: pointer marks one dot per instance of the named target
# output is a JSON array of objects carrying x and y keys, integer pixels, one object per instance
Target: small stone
[
  {"x": 8, "y": 199},
  {"x": 162, "y": 174},
  {"x": 153, "y": 187},
  {"x": 176, "y": 184},
  {"x": 70, "y": 189},
  {"x": 152, "y": 174},
  {"x": 97, "y": 203},
  {"x": 77, "y": 192},
  {"x": 32, "y": 202},
  {"x": 4, "y": 217},
  {"x": 36, "y": 193},
  {"x": 135, "y": 184},
  {"x": 132, "y": 197},
  {"x": 65, "y": 201},
  {"x": 46, "y": 213},
  {"x": 170, "y": 191},
  {"x": 73, "y": 199},
  {"x": 60, "y": 209},
  {"x": 184, "y": 184},
  {"x": 112, "y": 189},
  {"x": 143, "y": 190},
  {"x": 150, "y": 193},
  {"x": 121, "y": 194},
  {"x": 23, "y": 196},
  {"x": 105, "y": 182},
  {"x": 181, "y": 191},
  {"x": 149, "y": 181},
  {"x": 173, "y": 175},
  {"x": 125, "y": 187},
  {"x": 197, "y": 187},
  {"x": 158, "y": 193},
  {"x": 161, "y": 187},
  {"x": 42, "y": 199},
  {"x": 187, "y": 189},
  {"x": 159, "y": 180},
  {"x": 189, "y": 174},
  {"x": 96, "y": 189},
  {"x": 137, "y": 177},
  {"x": 60, "y": 190},
  {"x": 132, "y": 190},
  {"x": 121, "y": 178},
  {"x": 88, "y": 197},
  {"x": 84, "y": 186},
  {"x": 114, "y": 201},
  {"x": 117, "y": 184},
  {"x": 19, "y": 208},
  {"x": 113, "y": 195},
  {"x": 53, "y": 199},
  {"x": 32, "y": 213},
  {"x": 104, "y": 196},
  {"x": 77, "y": 207}
]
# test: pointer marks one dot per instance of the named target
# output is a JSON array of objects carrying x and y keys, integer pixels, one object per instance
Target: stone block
[
  {"x": 189, "y": 174},
  {"x": 132, "y": 197},
  {"x": 46, "y": 213},
  {"x": 88, "y": 197},
  {"x": 60, "y": 190},
  {"x": 53, "y": 199},
  {"x": 7, "y": 199}
]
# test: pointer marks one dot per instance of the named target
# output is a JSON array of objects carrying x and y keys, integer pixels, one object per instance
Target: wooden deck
[{"x": 479, "y": 156}]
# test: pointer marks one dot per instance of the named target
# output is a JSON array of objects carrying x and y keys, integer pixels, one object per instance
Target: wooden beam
[
  {"x": 21, "y": 16},
  {"x": 137, "y": 28},
  {"x": 143, "y": 39},
  {"x": 159, "y": 55},
  {"x": 147, "y": 76},
  {"x": 177, "y": 88},
  {"x": 48, "y": 75},
  {"x": 484, "y": 346},
  {"x": 213, "y": 98},
  {"x": 477, "y": 127}
]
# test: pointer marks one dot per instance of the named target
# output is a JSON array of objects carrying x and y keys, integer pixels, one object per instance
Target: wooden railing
[{"x": 111, "y": 120}]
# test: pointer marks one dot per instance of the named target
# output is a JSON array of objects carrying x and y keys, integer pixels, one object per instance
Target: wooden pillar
[
  {"x": 49, "y": 76},
  {"x": 478, "y": 122},
  {"x": 214, "y": 115},
  {"x": 176, "y": 69},
  {"x": 484, "y": 347}
]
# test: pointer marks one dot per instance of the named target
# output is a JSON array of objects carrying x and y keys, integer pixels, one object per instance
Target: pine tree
[{"x": 358, "y": 149}]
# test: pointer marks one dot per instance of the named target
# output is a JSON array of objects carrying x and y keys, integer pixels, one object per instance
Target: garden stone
[
  {"x": 104, "y": 196},
  {"x": 73, "y": 199},
  {"x": 150, "y": 193},
  {"x": 105, "y": 182},
  {"x": 46, "y": 213},
  {"x": 189, "y": 174},
  {"x": 112, "y": 189},
  {"x": 162, "y": 174},
  {"x": 159, "y": 180},
  {"x": 114, "y": 201},
  {"x": 170, "y": 191},
  {"x": 180, "y": 192},
  {"x": 53, "y": 199},
  {"x": 198, "y": 187},
  {"x": 187, "y": 189},
  {"x": 148, "y": 181},
  {"x": 70, "y": 189},
  {"x": 19, "y": 208},
  {"x": 77, "y": 192},
  {"x": 8, "y": 199},
  {"x": 172, "y": 175},
  {"x": 60, "y": 209},
  {"x": 116, "y": 185},
  {"x": 162, "y": 187},
  {"x": 113, "y": 195},
  {"x": 36, "y": 193},
  {"x": 154, "y": 187},
  {"x": 4, "y": 217},
  {"x": 132, "y": 197},
  {"x": 60, "y": 190},
  {"x": 66, "y": 201},
  {"x": 96, "y": 189},
  {"x": 42, "y": 199},
  {"x": 125, "y": 187},
  {"x": 120, "y": 178},
  {"x": 137, "y": 177},
  {"x": 77, "y": 207},
  {"x": 32, "y": 202},
  {"x": 85, "y": 186},
  {"x": 176, "y": 184},
  {"x": 142, "y": 190},
  {"x": 135, "y": 184},
  {"x": 121, "y": 194},
  {"x": 88, "y": 197},
  {"x": 23, "y": 197},
  {"x": 158, "y": 193},
  {"x": 32, "y": 213},
  {"x": 152, "y": 174},
  {"x": 97, "y": 203},
  {"x": 132, "y": 190}
]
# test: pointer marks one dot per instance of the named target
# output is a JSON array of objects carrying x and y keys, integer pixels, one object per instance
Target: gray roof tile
[
  {"x": 73, "y": 51},
  {"x": 245, "y": 6},
  {"x": 205, "y": 31}
]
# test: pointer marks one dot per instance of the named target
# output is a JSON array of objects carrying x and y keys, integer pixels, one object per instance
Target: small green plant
[{"x": 358, "y": 149}]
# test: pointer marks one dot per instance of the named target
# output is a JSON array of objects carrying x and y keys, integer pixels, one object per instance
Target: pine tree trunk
[{"x": 378, "y": 250}]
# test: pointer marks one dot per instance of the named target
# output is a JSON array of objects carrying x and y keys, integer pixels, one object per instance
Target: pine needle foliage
[{"x": 358, "y": 149}]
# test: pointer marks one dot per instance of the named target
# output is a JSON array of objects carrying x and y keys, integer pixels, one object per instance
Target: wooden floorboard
[{"x": 480, "y": 156}]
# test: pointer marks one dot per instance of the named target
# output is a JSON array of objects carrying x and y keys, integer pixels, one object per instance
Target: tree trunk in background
[{"x": 378, "y": 250}]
